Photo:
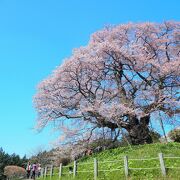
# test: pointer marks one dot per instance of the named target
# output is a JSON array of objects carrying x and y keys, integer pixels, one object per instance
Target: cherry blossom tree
[{"x": 125, "y": 75}]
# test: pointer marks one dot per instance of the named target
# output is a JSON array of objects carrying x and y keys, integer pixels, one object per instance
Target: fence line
[
  {"x": 95, "y": 167},
  {"x": 110, "y": 161},
  {"x": 109, "y": 170},
  {"x": 143, "y": 168},
  {"x": 144, "y": 159},
  {"x": 82, "y": 164},
  {"x": 84, "y": 171},
  {"x": 165, "y": 157},
  {"x": 173, "y": 167}
]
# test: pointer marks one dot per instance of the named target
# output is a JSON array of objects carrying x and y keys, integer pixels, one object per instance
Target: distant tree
[
  {"x": 63, "y": 154},
  {"x": 24, "y": 161},
  {"x": 124, "y": 76},
  {"x": 15, "y": 159},
  {"x": 42, "y": 156},
  {"x": 175, "y": 135},
  {"x": 6, "y": 159}
]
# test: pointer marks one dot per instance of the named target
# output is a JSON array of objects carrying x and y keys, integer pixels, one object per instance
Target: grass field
[{"x": 135, "y": 152}]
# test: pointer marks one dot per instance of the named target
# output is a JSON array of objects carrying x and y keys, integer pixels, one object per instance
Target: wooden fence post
[
  {"x": 161, "y": 160},
  {"x": 95, "y": 168},
  {"x": 51, "y": 172},
  {"x": 60, "y": 170},
  {"x": 126, "y": 166},
  {"x": 42, "y": 172},
  {"x": 45, "y": 172},
  {"x": 75, "y": 168}
]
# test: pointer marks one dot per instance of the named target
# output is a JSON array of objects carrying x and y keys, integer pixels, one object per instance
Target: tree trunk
[
  {"x": 140, "y": 135},
  {"x": 139, "y": 131}
]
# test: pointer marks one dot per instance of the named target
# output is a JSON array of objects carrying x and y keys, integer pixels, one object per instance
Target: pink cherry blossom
[{"x": 124, "y": 74}]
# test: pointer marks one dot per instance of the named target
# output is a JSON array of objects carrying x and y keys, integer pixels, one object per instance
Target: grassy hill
[{"x": 148, "y": 152}]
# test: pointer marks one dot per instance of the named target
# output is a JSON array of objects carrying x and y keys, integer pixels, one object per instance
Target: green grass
[{"x": 136, "y": 152}]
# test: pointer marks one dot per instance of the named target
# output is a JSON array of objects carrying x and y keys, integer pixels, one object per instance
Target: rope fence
[{"x": 93, "y": 167}]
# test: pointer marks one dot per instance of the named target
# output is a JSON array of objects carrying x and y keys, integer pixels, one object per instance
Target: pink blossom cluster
[{"x": 125, "y": 70}]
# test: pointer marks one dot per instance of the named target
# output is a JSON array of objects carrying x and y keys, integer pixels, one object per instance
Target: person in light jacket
[{"x": 28, "y": 169}]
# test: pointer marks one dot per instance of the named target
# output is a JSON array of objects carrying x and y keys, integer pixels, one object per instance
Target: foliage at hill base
[
  {"x": 7, "y": 159},
  {"x": 134, "y": 152},
  {"x": 14, "y": 172}
]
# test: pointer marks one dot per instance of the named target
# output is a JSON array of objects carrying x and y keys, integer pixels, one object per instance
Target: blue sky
[{"x": 35, "y": 35}]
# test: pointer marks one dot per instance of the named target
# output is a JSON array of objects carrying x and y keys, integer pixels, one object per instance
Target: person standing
[
  {"x": 34, "y": 168},
  {"x": 28, "y": 169},
  {"x": 39, "y": 170}
]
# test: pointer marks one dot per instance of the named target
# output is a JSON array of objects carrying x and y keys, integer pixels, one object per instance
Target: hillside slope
[{"x": 113, "y": 160}]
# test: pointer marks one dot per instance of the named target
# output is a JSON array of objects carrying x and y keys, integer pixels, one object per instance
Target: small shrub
[
  {"x": 155, "y": 136},
  {"x": 174, "y": 135},
  {"x": 13, "y": 172},
  {"x": 64, "y": 161}
]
